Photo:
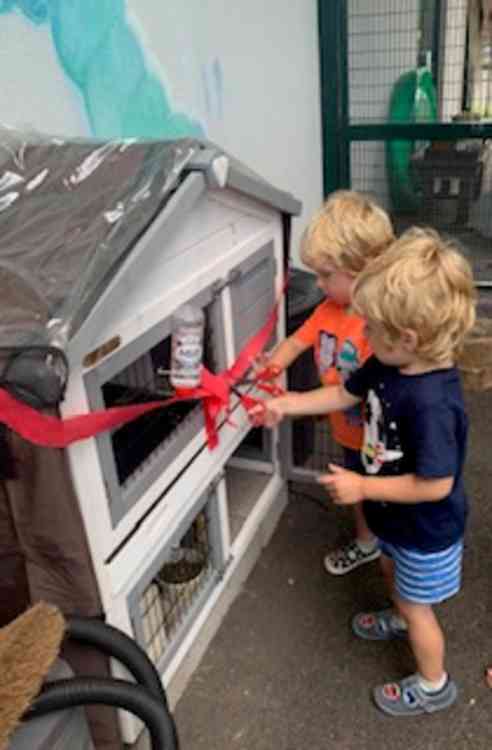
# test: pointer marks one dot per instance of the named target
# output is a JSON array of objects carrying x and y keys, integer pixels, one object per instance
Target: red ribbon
[{"x": 214, "y": 392}]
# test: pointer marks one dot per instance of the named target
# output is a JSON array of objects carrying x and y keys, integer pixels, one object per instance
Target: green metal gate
[
  {"x": 398, "y": 79},
  {"x": 422, "y": 163}
]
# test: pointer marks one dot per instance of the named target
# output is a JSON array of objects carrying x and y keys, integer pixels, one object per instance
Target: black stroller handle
[
  {"x": 86, "y": 691},
  {"x": 113, "y": 642}
]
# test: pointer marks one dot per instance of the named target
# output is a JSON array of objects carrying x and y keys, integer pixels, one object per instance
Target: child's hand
[
  {"x": 267, "y": 414},
  {"x": 264, "y": 369},
  {"x": 260, "y": 361},
  {"x": 344, "y": 487}
]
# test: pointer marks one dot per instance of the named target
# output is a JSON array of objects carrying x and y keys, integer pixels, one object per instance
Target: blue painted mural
[{"x": 100, "y": 53}]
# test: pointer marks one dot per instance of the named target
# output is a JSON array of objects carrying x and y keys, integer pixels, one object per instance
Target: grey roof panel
[{"x": 72, "y": 210}]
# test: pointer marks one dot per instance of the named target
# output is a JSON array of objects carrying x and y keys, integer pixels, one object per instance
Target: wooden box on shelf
[{"x": 475, "y": 362}]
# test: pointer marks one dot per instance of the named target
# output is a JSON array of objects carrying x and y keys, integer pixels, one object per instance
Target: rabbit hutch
[{"x": 101, "y": 243}]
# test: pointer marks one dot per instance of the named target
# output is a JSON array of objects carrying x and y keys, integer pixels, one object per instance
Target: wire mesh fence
[
  {"x": 394, "y": 46},
  {"x": 382, "y": 44},
  {"x": 444, "y": 185}
]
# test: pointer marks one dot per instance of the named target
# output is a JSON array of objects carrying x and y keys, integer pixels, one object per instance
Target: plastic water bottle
[{"x": 188, "y": 324}]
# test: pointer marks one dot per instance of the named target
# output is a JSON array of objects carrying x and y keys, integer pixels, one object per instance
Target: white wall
[
  {"x": 34, "y": 91},
  {"x": 247, "y": 71}
]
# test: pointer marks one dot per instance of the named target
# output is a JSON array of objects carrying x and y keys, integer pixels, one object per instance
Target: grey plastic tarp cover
[{"x": 70, "y": 212}]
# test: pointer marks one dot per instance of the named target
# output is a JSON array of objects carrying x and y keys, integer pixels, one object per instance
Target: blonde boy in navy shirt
[{"x": 418, "y": 300}]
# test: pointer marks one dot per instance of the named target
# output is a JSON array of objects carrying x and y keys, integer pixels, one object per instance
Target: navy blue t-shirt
[{"x": 413, "y": 424}]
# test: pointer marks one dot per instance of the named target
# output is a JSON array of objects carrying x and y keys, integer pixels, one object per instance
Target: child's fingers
[
  {"x": 335, "y": 469},
  {"x": 256, "y": 409},
  {"x": 260, "y": 361},
  {"x": 257, "y": 420},
  {"x": 330, "y": 479},
  {"x": 327, "y": 480},
  {"x": 257, "y": 415},
  {"x": 270, "y": 372}
]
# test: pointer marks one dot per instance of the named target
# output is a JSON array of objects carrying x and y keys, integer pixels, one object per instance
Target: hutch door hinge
[{"x": 232, "y": 277}]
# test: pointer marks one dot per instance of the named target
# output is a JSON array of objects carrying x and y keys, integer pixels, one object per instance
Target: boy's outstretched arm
[
  {"x": 282, "y": 356},
  {"x": 348, "y": 487},
  {"x": 309, "y": 403}
]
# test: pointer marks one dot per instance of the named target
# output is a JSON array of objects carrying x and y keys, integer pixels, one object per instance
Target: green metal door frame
[
  {"x": 334, "y": 82},
  {"x": 337, "y": 132}
]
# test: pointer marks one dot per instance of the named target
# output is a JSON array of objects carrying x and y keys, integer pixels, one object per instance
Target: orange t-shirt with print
[{"x": 340, "y": 347}]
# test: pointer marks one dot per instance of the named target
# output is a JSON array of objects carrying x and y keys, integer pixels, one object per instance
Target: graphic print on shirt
[
  {"x": 347, "y": 359},
  {"x": 327, "y": 351},
  {"x": 380, "y": 445},
  {"x": 347, "y": 363}
]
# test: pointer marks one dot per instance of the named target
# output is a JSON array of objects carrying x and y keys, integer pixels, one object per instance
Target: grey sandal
[
  {"x": 377, "y": 626},
  {"x": 407, "y": 698}
]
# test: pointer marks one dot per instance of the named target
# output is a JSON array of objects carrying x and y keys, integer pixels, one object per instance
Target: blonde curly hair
[
  {"x": 348, "y": 231},
  {"x": 421, "y": 283}
]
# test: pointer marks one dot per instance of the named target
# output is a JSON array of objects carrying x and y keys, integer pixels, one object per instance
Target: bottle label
[{"x": 186, "y": 356}]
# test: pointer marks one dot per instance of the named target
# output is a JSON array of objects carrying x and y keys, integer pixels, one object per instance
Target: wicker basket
[{"x": 475, "y": 362}]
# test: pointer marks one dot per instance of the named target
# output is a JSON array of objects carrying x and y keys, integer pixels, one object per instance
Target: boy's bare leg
[
  {"x": 426, "y": 638},
  {"x": 388, "y": 570},
  {"x": 420, "y": 622},
  {"x": 387, "y": 623},
  {"x": 362, "y": 531},
  {"x": 431, "y": 689}
]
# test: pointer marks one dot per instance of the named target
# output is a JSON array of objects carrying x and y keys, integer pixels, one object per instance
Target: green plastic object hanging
[{"x": 413, "y": 99}]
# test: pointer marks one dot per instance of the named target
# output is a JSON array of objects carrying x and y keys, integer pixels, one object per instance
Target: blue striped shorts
[{"x": 426, "y": 577}]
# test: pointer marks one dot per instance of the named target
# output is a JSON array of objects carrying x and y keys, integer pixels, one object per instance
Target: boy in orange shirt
[{"x": 348, "y": 232}]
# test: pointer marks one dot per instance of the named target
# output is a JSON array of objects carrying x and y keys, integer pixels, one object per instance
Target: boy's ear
[{"x": 409, "y": 339}]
